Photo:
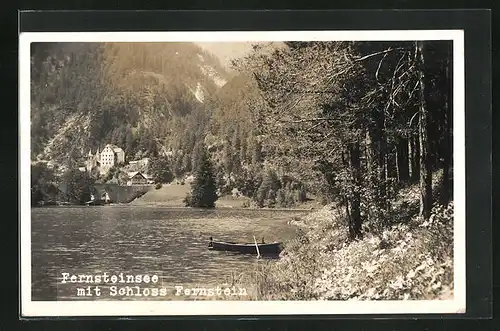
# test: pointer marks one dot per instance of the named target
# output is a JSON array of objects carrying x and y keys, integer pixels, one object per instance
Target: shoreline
[{"x": 167, "y": 206}]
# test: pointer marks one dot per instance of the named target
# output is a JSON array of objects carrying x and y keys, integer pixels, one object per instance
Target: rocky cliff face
[{"x": 85, "y": 95}]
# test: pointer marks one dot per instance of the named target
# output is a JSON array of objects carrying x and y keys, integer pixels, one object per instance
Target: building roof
[
  {"x": 115, "y": 148},
  {"x": 134, "y": 173}
]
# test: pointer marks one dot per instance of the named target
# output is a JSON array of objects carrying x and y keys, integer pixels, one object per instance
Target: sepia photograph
[{"x": 304, "y": 172}]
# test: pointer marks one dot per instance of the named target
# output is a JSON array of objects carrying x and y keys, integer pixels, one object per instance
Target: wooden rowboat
[
  {"x": 95, "y": 203},
  {"x": 245, "y": 248}
]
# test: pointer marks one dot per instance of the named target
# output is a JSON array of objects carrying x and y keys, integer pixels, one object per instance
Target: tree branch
[
  {"x": 411, "y": 120},
  {"x": 313, "y": 127},
  {"x": 306, "y": 120},
  {"x": 379, "y": 66},
  {"x": 377, "y": 53}
]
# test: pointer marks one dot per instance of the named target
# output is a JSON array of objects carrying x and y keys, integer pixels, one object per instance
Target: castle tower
[
  {"x": 89, "y": 162},
  {"x": 98, "y": 154}
]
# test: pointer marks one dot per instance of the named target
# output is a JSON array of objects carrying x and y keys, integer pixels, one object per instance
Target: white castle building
[{"x": 103, "y": 160}]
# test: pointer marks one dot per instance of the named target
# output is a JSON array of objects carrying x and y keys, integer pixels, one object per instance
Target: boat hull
[
  {"x": 97, "y": 203},
  {"x": 272, "y": 248}
]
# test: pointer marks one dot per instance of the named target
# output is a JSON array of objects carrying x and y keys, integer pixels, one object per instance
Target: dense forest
[
  {"x": 364, "y": 118},
  {"x": 367, "y": 126},
  {"x": 345, "y": 122}
]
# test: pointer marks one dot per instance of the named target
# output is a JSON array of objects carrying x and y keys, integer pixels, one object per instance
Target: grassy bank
[
  {"x": 168, "y": 195},
  {"x": 172, "y": 195},
  {"x": 407, "y": 260}
]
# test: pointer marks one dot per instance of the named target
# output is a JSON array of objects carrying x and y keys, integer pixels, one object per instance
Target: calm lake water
[{"x": 135, "y": 240}]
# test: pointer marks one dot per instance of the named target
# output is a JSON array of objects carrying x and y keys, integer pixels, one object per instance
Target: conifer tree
[
  {"x": 160, "y": 169},
  {"x": 204, "y": 188}
]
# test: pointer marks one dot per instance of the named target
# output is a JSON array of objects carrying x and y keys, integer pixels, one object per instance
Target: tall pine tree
[{"x": 204, "y": 188}]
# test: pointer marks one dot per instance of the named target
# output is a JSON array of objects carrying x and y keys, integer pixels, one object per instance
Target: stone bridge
[{"x": 122, "y": 194}]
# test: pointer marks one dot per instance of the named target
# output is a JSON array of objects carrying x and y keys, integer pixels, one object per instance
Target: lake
[{"x": 137, "y": 240}]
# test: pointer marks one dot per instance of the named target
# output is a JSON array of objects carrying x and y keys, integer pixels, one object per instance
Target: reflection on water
[{"x": 168, "y": 242}]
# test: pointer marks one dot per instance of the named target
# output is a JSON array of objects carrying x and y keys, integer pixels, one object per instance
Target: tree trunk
[
  {"x": 392, "y": 163},
  {"x": 425, "y": 169},
  {"x": 346, "y": 197},
  {"x": 402, "y": 160},
  {"x": 375, "y": 174},
  {"x": 369, "y": 154},
  {"x": 410, "y": 158},
  {"x": 446, "y": 147},
  {"x": 398, "y": 157},
  {"x": 414, "y": 151},
  {"x": 347, "y": 212},
  {"x": 355, "y": 164},
  {"x": 382, "y": 162}
]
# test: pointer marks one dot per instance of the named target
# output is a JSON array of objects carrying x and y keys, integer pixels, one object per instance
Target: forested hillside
[
  {"x": 152, "y": 99},
  {"x": 143, "y": 97}
]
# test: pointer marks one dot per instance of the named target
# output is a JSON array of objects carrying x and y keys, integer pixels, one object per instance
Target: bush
[
  {"x": 79, "y": 185},
  {"x": 406, "y": 261},
  {"x": 187, "y": 200},
  {"x": 158, "y": 186},
  {"x": 160, "y": 169},
  {"x": 302, "y": 195},
  {"x": 42, "y": 184},
  {"x": 281, "y": 198}
]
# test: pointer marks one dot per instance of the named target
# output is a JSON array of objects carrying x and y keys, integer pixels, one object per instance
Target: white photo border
[{"x": 457, "y": 305}]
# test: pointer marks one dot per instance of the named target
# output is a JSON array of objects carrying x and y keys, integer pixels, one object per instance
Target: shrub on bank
[
  {"x": 406, "y": 261},
  {"x": 187, "y": 200}
]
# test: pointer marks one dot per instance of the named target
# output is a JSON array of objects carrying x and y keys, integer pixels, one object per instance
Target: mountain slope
[{"x": 85, "y": 95}]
